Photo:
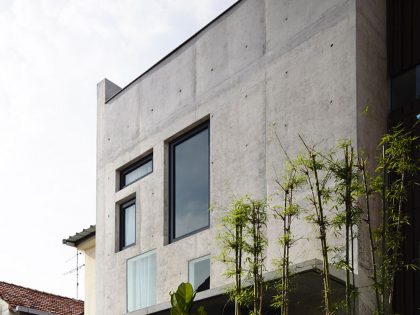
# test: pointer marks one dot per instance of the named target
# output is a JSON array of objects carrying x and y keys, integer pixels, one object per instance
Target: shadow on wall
[{"x": 306, "y": 299}]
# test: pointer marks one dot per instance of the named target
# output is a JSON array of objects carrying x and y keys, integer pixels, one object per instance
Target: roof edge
[
  {"x": 80, "y": 237},
  {"x": 39, "y": 291},
  {"x": 174, "y": 50},
  {"x": 29, "y": 310}
]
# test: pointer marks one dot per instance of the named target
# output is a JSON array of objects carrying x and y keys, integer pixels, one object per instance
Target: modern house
[
  {"x": 18, "y": 300},
  {"x": 84, "y": 242},
  {"x": 197, "y": 128}
]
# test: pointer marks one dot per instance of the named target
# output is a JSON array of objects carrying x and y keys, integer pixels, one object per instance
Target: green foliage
[
  {"x": 390, "y": 182},
  {"x": 316, "y": 169},
  {"x": 337, "y": 181},
  {"x": 255, "y": 248},
  {"x": 340, "y": 190},
  {"x": 286, "y": 212},
  {"x": 242, "y": 244},
  {"x": 231, "y": 240},
  {"x": 394, "y": 175},
  {"x": 347, "y": 190},
  {"x": 182, "y": 300}
]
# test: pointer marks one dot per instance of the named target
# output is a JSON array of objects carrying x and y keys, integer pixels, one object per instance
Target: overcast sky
[{"x": 52, "y": 55}]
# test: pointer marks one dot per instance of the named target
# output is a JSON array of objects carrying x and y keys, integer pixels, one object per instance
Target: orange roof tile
[{"x": 16, "y": 295}]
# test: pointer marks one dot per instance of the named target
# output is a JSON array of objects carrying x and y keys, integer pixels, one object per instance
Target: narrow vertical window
[
  {"x": 141, "y": 281},
  {"x": 189, "y": 183},
  {"x": 199, "y": 273},
  {"x": 127, "y": 224}
]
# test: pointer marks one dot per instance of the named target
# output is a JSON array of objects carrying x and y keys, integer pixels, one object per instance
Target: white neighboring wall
[
  {"x": 89, "y": 249},
  {"x": 4, "y": 308}
]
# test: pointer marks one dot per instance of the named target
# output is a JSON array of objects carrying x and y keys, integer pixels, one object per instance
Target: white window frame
[
  {"x": 143, "y": 301},
  {"x": 191, "y": 265}
]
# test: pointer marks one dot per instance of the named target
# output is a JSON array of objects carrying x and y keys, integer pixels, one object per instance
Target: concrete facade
[{"x": 307, "y": 67}]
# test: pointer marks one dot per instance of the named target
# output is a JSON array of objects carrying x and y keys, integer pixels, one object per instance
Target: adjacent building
[
  {"x": 197, "y": 128},
  {"x": 18, "y": 300},
  {"x": 84, "y": 241}
]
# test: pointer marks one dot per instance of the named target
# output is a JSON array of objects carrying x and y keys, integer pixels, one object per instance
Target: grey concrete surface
[{"x": 307, "y": 67}]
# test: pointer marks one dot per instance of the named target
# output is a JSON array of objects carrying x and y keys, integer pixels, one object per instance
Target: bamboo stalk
[
  {"x": 348, "y": 223},
  {"x": 323, "y": 235},
  {"x": 395, "y": 250},
  {"x": 383, "y": 232},
  {"x": 371, "y": 237}
]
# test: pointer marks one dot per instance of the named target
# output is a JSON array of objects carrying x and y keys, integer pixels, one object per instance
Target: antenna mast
[
  {"x": 77, "y": 274},
  {"x": 76, "y": 270}
]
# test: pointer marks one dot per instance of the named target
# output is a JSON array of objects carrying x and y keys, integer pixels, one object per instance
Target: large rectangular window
[
  {"x": 141, "y": 281},
  {"x": 136, "y": 171},
  {"x": 127, "y": 224},
  {"x": 189, "y": 182}
]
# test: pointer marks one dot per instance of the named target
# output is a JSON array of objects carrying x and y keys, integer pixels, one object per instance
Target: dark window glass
[
  {"x": 405, "y": 88},
  {"x": 136, "y": 171},
  {"x": 127, "y": 224},
  {"x": 199, "y": 273},
  {"x": 189, "y": 183}
]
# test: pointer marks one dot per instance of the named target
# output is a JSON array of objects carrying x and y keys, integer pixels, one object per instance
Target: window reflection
[
  {"x": 199, "y": 273},
  {"x": 190, "y": 182}
]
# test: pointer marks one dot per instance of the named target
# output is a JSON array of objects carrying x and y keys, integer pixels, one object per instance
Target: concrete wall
[
  {"x": 292, "y": 63},
  {"x": 373, "y": 106}
]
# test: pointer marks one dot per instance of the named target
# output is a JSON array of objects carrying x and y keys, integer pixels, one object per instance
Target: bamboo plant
[
  {"x": 232, "y": 240},
  {"x": 255, "y": 248},
  {"x": 318, "y": 175},
  {"x": 243, "y": 243},
  {"x": 286, "y": 213},
  {"x": 347, "y": 190},
  {"x": 390, "y": 182},
  {"x": 340, "y": 193}
]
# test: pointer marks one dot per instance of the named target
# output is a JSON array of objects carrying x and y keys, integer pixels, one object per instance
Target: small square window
[
  {"x": 199, "y": 273},
  {"x": 136, "y": 171},
  {"x": 127, "y": 231},
  {"x": 141, "y": 281}
]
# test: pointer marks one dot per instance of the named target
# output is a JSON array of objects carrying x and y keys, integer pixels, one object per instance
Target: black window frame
[
  {"x": 133, "y": 167},
  {"x": 123, "y": 207},
  {"x": 171, "y": 189}
]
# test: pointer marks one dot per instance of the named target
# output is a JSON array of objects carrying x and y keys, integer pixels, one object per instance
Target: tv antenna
[{"x": 78, "y": 267}]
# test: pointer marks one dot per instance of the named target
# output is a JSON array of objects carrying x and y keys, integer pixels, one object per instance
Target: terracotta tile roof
[{"x": 16, "y": 295}]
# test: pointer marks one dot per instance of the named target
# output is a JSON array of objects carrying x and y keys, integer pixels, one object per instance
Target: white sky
[{"x": 52, "y": 55}]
